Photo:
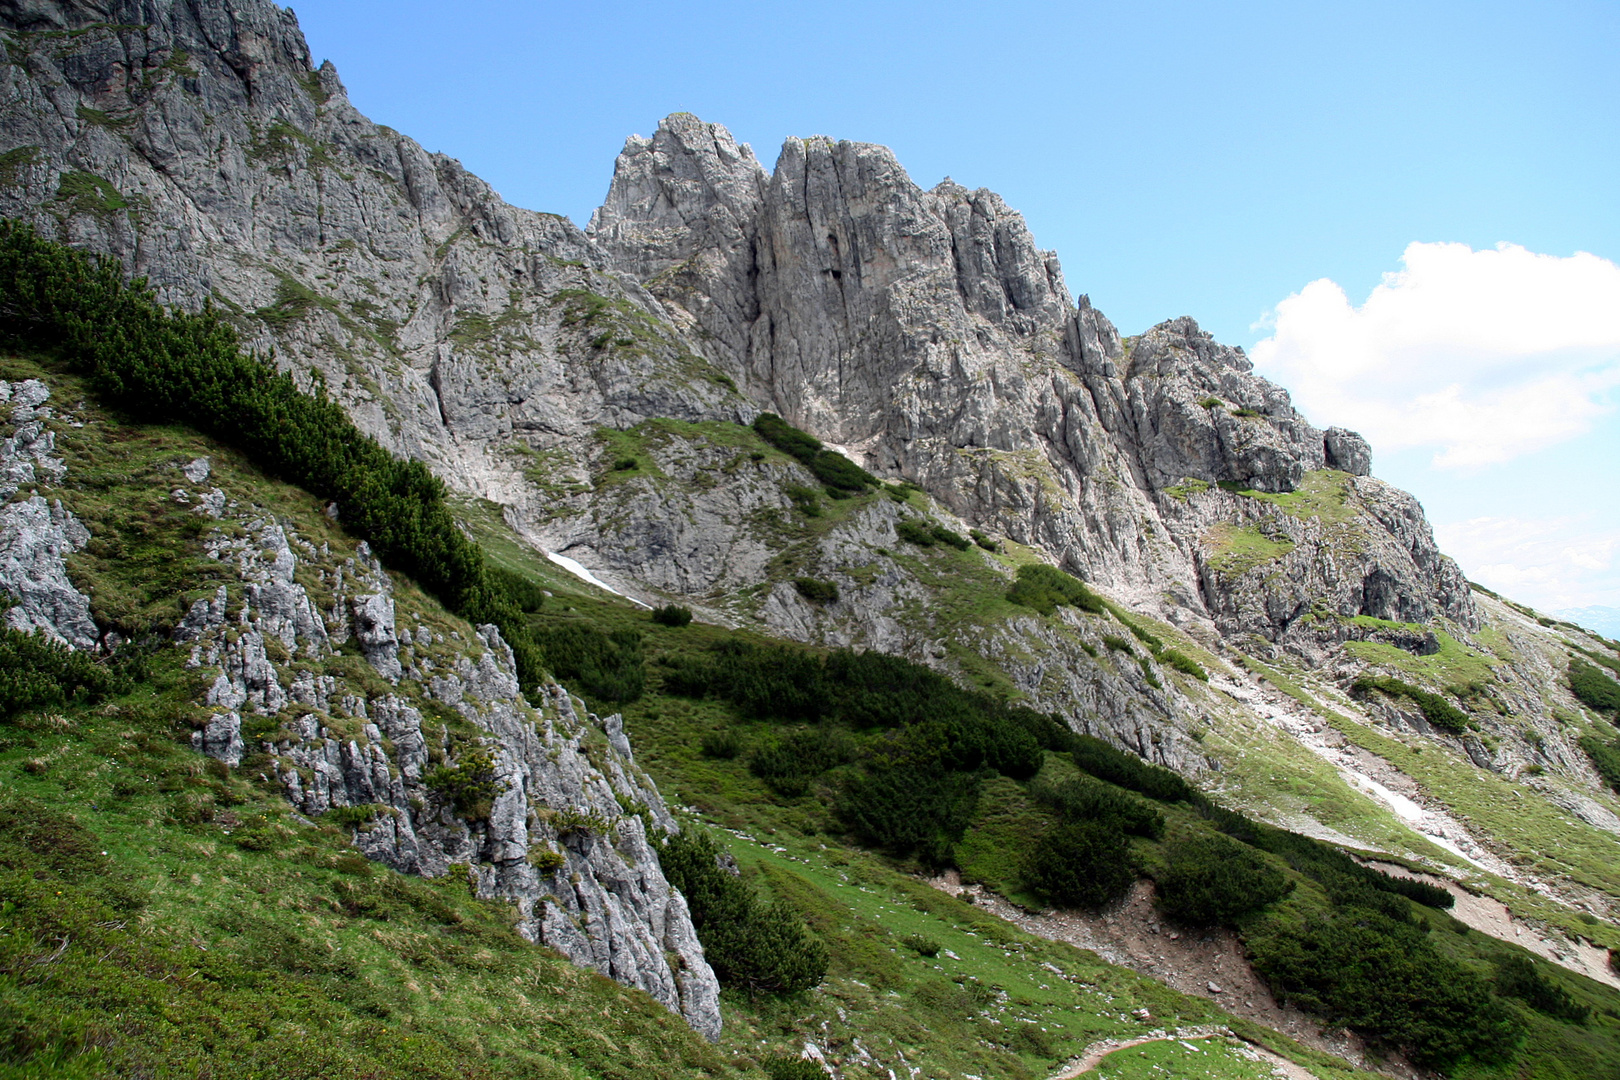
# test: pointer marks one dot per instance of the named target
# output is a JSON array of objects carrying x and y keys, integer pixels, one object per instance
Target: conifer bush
[
  {"x": 1595, "y": 690},
  {"x": 1080, "y": 864},
  {"x": 470, "y": 785},
  {"x": 1379, "y": 974},
  {"x": 751, "y": 944},
  {"x": 949, "y": 538},
  {"x": 833, "y": 469},
  {"x": 606, "y": 666},
  {"x": 1042, "y": 588},
  {"x": 1109, "y": 763},
  {"x": 910, "y": 807},
  {"x": 1522, "y": 978},
  {"x": 789, "y": 764},
  {"x": 672, "y": 615},
  {"x": 1212, "y": 879},
  {"x": 39, "y": 673},
  {"x": 913, "y": 531},
  {"x": 816, "y": 591},
  {"x": 1436, "y": 709},
  {"x": 1085, "y": 799},
  {"x": 1605, "y": 757}
]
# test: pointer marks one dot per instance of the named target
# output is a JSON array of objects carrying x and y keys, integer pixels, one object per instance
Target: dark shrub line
[
  {"x": 752, "y": 945},
  {"x": 833, "y": 469},
  {"x": 1595, "y": 690},
  {"x": 1436, "y": 709},
  {"x": 168, "y": 366}
]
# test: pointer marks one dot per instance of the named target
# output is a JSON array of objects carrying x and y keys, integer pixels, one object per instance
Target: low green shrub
[
  {"x": 831, "y": 468},
  {"x": 1345, "y": 880},
  {"x": 469, "y": 785},
  {"x": 1085, "y": 799},
  {"x": 528, "y": 597},
  {"x": 1144, "y": 635},
  {"x": 922, "y": 946},
  {"x": 354, "y": 816},
  {"x": 805, "y": 499},
  {"x": 722, "y": 745},
  {"x": 1436, "y": 709},
  {"x": 672, "y": 615},
  {"x": 1522, "y": 978},
  {"x": 1605, "y": 757},
  {"x": 1106, "y": 762},
  {"x": 1183, "y": 663},
  {"x": 545, "y": 860},
  {"x": 1147, "y": 673},
  {"x": 606, "y": 666},
  {"x": 789, "y": 764},
  {"x": 907, "y": 808},
  {"x": 1042, "y": 588},
  {"x": 39, "y": 673},
  {"x": 816, "y": 591},
  {"x": 984, "y": 541},
  {"x": 1211, "y": 879},
  {"x": 1380, "y": 976},
  {"x": 1080, "y": 864},
  {"x": 1595, "y": 690},
  {"x": 752, "y": 945},
  {"x": 913, "y": 531},
  {"x": 949, "y": 538},
  {"x": 783, "y": 1067},
  {"x": 1118, "y": 644}
]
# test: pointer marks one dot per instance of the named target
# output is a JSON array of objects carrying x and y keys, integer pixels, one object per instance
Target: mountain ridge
[{"x": 588, "y": 393}]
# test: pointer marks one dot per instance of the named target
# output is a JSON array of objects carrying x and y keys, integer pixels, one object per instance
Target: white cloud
[
  {"x": 1550, "y": 563},
  {"x": 1484, "y": 355}
]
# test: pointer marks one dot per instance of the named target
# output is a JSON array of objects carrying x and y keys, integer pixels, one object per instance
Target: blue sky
[{"x": 1201, "y": 159}]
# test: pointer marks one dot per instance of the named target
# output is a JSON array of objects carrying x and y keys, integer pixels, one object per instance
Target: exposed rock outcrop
[
  {"x": 37, "y": 535},
  {"x": 554, "y": 835},
  {"x": 926, "y": 332}
]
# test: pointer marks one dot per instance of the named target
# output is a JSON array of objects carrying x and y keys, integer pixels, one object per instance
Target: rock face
[
  {"x": 922, "y": 330},
  {"x": 196, "y": 144},
  {"x": 554, "y": 837},
  {"x": 37, "y": 535},
  {"x": 926, "y": 332}
]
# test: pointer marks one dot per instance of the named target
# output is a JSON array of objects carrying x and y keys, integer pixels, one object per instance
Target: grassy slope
[
  {"x": 1543, "y": 839},
  {"x": 220, "y": 934},
  {"x": 864, "y": 905},
  {"x": 1261, "y": 770}
]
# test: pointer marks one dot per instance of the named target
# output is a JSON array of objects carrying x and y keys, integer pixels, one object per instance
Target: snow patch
[{"x": 579, "y": 571}]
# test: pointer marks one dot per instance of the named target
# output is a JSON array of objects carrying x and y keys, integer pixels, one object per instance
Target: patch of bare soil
[
  {"x": 1206, "y": 963},
  {"x": 1492, "y": 917}
]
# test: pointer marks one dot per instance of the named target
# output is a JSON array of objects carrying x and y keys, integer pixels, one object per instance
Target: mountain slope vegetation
[{"x": 956, "y": 591}]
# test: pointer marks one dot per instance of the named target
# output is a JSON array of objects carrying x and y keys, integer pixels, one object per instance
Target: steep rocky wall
[{"x": 926, "y": 332}]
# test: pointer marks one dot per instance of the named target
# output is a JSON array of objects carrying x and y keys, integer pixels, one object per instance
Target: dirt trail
[
  {"x": 1208, "y": 964},
  {"x": 1097, "y": 1053}
]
